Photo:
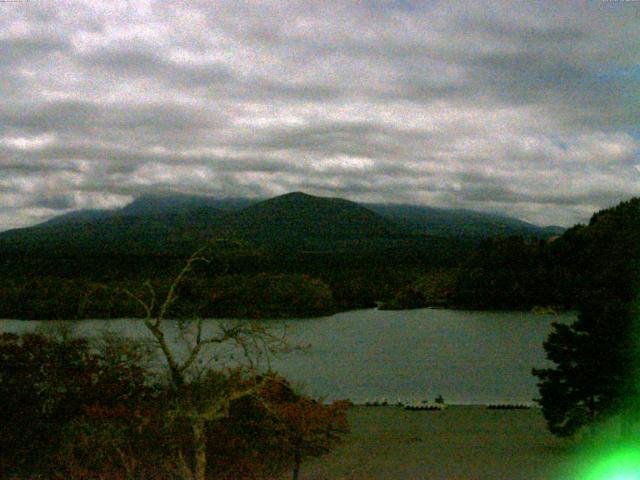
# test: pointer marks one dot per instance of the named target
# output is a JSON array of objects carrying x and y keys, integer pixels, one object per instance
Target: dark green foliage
[
  {"x": 596, "y": 358},
  {"x": 54, "y": 298},
  {"x": 506, "y": 274},
  {"x": 59, "y": 269},
  {"x": 357, "y": 275},
  {"x": 297, "y": 218},
  {"x": 362, "y": 257},
  {"x": 599, "y": 260},
  {"x": 270, "y": 296},
  {"x": 430, "y": 289}
]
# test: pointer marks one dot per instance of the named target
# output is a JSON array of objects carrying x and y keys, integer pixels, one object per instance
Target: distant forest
[{"x": 297, "y": 255}]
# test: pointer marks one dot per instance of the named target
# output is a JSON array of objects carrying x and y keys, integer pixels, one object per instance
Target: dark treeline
[
  {"x": 514, "y": 274},
  {"x": 314, "y": 276},
  {"x": 254, "y": 281},
  {"x": 586, "y": 262},
  {"x": 301, "y": 256}
]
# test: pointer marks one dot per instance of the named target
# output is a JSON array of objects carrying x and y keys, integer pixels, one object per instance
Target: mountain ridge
[
  {"x": 179, "y": 203},
  {"x": 179, "y": 223}
]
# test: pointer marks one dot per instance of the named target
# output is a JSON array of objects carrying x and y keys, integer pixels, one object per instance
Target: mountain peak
[
  {"x": 298, "y": 215},
  {"x": 301, "y": 196},
  {"x": 296, "y": 195}
]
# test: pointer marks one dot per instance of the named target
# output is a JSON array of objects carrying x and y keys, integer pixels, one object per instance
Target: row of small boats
[
  {"x": 509, "y": 406},
  {"x": 413, "y": 405},
  {"x": 438, "y": 405}
]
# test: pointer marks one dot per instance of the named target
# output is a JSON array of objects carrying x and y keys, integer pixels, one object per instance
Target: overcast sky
[{"x": 530, "y": 109}]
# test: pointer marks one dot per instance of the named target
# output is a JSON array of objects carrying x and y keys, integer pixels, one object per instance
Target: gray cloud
[
  {"x": 522, "y": 108},
  {"x": 19, "y": 51}
]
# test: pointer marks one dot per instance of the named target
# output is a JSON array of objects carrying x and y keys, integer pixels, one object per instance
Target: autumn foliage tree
[
  {"x": 305, "y": 427},
  {"x": 274, "y": 430},
  {"x": 46, "y": 384}
]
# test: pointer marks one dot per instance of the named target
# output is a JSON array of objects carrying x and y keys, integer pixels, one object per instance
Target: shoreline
[{"x": 534, "y": 311}]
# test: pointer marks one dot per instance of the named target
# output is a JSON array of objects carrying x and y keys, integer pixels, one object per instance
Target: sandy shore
[{"x": 461, "y": 442}]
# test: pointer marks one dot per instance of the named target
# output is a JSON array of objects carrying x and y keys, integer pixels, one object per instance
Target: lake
[{"x": 467, "y": 357}]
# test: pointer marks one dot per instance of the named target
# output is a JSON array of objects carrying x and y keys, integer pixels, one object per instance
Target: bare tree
[{"x": 252, "y": 338}]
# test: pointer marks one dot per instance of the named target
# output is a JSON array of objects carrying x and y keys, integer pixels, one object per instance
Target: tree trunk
[
  {"x": 296, "y": 466},
  {"x": 184, "y": 470},
  {"x": 200, "y": 450}
]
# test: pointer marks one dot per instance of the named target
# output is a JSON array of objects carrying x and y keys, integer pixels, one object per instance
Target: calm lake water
[{"x": 467, "y": 357}]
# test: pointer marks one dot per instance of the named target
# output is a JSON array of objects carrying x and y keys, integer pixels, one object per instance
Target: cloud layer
[{"x": 524, "y": 108}]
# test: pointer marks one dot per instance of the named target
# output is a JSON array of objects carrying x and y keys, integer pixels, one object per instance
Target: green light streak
[{"x": 621, "y": 463}]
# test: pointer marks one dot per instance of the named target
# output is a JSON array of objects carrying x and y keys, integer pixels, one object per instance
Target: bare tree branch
[
  {"x": 172, "y": 294},
  {"x": 147, "y": 307}
]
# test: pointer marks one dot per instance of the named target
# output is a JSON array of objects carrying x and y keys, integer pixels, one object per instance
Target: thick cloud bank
[{"x": 524, "y": 108}]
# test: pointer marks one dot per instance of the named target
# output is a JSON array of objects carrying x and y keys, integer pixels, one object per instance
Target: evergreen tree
[
  {"x": 593, "y": 377},
  {"x": 596, "y": 358}
]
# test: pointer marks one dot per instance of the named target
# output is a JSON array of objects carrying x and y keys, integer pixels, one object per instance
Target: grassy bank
[{"x": 461, "y": 442}]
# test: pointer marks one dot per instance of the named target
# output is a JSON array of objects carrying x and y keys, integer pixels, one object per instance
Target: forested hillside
[
  {"x": 600, "y": 258},
  {"x": 293, "y": 255}
]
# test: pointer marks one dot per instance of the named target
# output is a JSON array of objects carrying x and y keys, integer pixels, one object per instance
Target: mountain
[
  {"x": 173, "y": 224},
  {"x": 154, "y": 205},
  {"x": 180, "y": 224},
  {"x": 459, "y": 223},
  {"x": 78, "y": 216},
  {"x": 176, "y": 224},
  {"x": 400, "y": 218},
  {"x": 296, "y": 216},
  {"x": 103, "y": 236}
]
